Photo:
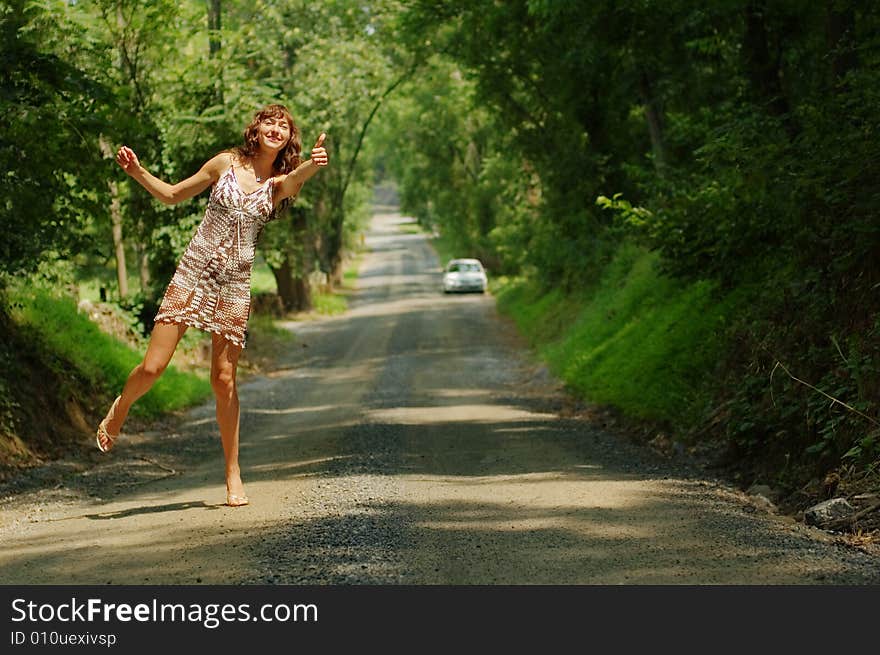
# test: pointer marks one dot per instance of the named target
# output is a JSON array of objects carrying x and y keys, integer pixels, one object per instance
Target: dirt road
[{"x": 408, "y": 441}]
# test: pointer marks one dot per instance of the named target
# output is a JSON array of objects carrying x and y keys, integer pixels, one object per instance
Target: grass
[
  {"x": 91, "y": 278},
  {"x": 410, "y": 228},
  {"x": 263, "y": 325},
  {"x": 100, "y": 358},
  {"x": 262, "y": 279},
  {"x": 335, "y": 301},
  {"x": 638, "y": 340},
  {"x": 329, "y": 303},
  {"x": 350, "y": 276}
]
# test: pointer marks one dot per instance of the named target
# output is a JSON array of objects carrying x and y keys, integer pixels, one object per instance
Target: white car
[{"x": 464, "y": 275}]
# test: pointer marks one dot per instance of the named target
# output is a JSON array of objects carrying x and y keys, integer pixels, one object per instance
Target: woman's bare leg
[
  {"x": 163, "y": 343},
  {"x": 224, "y": 365}
]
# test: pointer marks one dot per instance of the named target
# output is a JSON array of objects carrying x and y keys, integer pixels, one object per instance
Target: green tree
[
  {"x": 339, "y": 67},
  {"x": 48, "y": 109}
]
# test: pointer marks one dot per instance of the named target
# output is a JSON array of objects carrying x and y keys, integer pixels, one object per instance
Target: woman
[{"x": 210, "y": 289}]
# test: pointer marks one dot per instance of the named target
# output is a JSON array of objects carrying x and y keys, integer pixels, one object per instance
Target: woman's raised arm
[
  {"x": 290, "y": 184},
  {"x": 172, "y": 194}
]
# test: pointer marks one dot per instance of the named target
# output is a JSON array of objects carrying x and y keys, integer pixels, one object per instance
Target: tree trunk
[
  {"x": 143, "y": 265},
  {"x": 840, "y": 28},
  {"x": 295, "y": 292},
  {"x": 118, "y": 245},
  {"x": 302, "y": 291},
  {"x": 214, "y": 23},
  {"x": 301, "y": 234},
  {"x": 654, "y": 117},
  {"x": 762, "y": 70},
  {"x": 337, "y": 273},
  {"x": 116, "y": 223},
  {"x": 284, "y": 284},
  {"x": 215, "y": 43},
  {"x": 333, "y": 237}
]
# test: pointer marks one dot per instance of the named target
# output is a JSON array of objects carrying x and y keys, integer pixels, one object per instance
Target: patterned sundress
[{"x": 211, "y": 288}]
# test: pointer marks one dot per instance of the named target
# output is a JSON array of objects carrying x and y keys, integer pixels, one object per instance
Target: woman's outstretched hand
[
  {"x": 126, "y": 158},
  {"x": 319, "y": 155},
  {"x": 293, "y": 181}
]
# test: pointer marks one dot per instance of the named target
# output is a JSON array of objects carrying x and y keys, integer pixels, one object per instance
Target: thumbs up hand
[{"x": 319, "y": 155}]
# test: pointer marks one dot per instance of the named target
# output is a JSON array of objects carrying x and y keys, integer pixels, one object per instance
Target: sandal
[
  {"x": 104, "y": 439},
  {"x": 234, "y": 500}
]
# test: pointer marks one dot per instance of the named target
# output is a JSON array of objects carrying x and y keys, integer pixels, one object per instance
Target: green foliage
[
  {"x": 262, "y": 280},
  {"x": 76, "y": 341},
  {"x": 452, "y": 172},
  {"x": 45, "y": 184},
  {"x": 737, "y": 141},
  {"x": 636, "y": 218},
  {"x": 637, "y": 340},
  {"x": 142, "y": 308},
  {"x": 817, "y": 412},
  {"x": 8, "y": 402}
]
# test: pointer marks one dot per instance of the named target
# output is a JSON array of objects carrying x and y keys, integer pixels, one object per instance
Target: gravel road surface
[{"x": 411, "y": 440}]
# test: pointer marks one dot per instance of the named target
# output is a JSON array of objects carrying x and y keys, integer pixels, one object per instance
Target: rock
[
  {"x": 828, "y": 511},
  {"x": 760, "y": 490},
  {"x": 86, "y": 306},
  {"x": 662, "y": 444},
  {"x": 766, "y": 491},
  {"x": 830, "y": 483},
  {"x": 761, "y": 501}
]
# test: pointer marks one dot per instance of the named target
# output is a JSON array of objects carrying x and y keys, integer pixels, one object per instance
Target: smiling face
[{"x": 273, "y": 132}]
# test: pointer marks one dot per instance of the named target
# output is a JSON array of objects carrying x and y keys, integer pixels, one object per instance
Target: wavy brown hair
[{"x": 289, "y": 157}]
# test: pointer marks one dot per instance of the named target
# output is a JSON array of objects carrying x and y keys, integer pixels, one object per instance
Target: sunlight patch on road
[
  {"x": 461, "y": 393},
  {"x": 529, "y": 429},
  {"x": 293, "y": 466},
  {"x": 409, "y": 305},
  {"x": 294, "y": 373},
  {"x": 200, "y": 421},
  {"x": 296, "y": 410},
  {"x": 547, "y": 490},
  {"x": 301, "y": 431},
  {"x": 533, "y": 502},
  {"x": 418, "y": 279},
  {"x": 541, "y": 523},
  {"x": 343, "y": 374},
  {"x": 454, "y": 414}
]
